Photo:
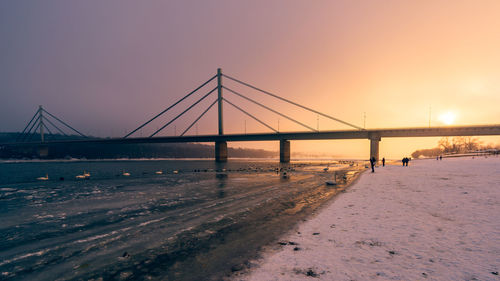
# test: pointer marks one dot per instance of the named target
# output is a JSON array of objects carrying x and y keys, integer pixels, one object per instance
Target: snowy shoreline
[{"x": 434, "y": 220}]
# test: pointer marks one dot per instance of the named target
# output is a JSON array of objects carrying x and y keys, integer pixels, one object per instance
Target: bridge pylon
[
  {"x": 220, "y": 100},
  {"x": 220, "y": 146},
  {"x": 40, "y": 112},
  {"x": 41, "y": 122},
  {"x": 284, "y": 151},
  {"x": 374, "y": 146}
]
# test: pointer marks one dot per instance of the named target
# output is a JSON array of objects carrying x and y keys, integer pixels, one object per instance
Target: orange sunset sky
[{"x": 106, "y": 67}]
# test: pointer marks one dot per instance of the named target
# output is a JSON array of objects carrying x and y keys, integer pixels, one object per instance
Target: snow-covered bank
[{"x": 434, "y": 220}]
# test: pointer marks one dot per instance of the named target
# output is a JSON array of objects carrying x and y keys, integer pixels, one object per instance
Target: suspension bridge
[{"x": 41, "y": 122}]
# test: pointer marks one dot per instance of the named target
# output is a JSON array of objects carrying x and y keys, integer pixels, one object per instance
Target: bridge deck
[{"x": 478, "y": 130}]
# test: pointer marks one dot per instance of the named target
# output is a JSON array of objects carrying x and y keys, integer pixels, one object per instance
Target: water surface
[{"x": 197, "y": 220}]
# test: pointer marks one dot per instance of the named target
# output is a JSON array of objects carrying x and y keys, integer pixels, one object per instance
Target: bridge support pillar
[
  {"x": 43, "y": 151},
  {"x": 221, "y": 151},
  {"x": 284, "y": 151},
  {"x": 374, "y": 144}
]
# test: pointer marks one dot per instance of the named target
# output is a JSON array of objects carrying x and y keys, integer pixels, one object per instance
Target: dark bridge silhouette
[{"x": 221, "y": 139}]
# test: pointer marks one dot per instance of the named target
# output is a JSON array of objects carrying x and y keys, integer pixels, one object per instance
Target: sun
[{"x": 448, "y": 118}]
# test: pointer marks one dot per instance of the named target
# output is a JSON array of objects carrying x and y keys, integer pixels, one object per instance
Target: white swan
[
  {"x": 159, "y": 172},
  {"x": 126, "y": 174},
  {"x": 175, "y": 172},
  {"x": 43, "y": 178},
  {"x": 85, "y": 175}
]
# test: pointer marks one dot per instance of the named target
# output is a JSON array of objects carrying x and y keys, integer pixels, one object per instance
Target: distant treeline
[
  {"x": 113, "y": 151},
  {"x": 18, "y": 137},
  {"x": 454, "y": 145}
]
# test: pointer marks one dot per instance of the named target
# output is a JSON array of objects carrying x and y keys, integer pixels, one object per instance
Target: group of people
[
  {"x": 373, "y": 162},
  {"x": 405, "y": 161}
]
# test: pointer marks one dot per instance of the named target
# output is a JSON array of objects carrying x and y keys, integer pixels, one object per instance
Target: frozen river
[{"x": 196, "y": 220}]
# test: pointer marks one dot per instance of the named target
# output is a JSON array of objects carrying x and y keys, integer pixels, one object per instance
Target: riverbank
[{"x": 435, "y": 220}]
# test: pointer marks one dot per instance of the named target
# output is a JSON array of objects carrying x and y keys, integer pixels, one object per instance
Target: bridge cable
[
  {"x": 199, "y": 117},
  {"x": 167, "y": 109},
  {"x": 23, "y": 135},
  {"x": 294, "y": 103},
  {"x": 29, "y": 123},
  {"x": 202, "y": 98},
  {"x": 255, "y": 118},
  {"x": 28, "y": 133},
  {"x": 50, "y": 132},
  {"x": 34, "y": 133},
  {"x": 270, "y": 109},
  {"x": 64, "y": 123},
  {"x": 61, "y": 131}
]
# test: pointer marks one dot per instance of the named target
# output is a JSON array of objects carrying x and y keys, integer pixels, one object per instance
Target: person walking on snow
[{"x": 372, "y": 163}]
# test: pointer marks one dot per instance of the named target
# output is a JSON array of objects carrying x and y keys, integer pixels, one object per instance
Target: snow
[{"x": 433, "y": 220}]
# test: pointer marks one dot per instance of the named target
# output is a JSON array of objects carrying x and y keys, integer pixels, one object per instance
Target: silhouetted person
[
  {"x": 383, "y": 162},
  {"x": 440, "y": 157},
  {"x": 372, "y": 163},
  {"x": 405, "y": 161}
]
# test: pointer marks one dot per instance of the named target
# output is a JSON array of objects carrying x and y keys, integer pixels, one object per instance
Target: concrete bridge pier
[
  {"x": 284, "y": 151},
  {"x": 374, "y": 145},
  {"x": 43, "y": 151},
  {"x": 221, "y": 151}
]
